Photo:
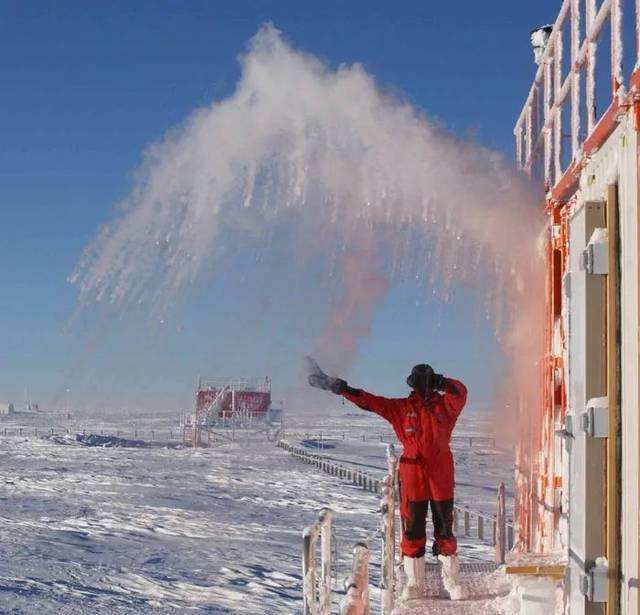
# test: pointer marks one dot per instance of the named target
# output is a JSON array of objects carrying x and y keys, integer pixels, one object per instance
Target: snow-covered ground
[{"x": 157, "y": 529}]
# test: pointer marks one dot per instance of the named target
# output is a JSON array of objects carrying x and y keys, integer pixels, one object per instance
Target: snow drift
[{"x": 363, "y": 181}]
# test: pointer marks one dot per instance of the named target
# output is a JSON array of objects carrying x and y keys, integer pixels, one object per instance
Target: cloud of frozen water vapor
[{"x": 371, "y": 185}]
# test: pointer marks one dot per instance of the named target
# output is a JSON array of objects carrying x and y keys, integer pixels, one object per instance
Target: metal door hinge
[
  {"x": 594, "y": 583},
  {"x": 595, "y": 257},
  {"x": 595, "y": 419}
]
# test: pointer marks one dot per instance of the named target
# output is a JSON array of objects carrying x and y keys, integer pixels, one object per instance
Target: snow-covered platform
[{"x": 484, "y": 589}]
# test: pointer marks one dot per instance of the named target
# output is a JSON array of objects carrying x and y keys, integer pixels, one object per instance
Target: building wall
[{"x": 616, "y": 162}]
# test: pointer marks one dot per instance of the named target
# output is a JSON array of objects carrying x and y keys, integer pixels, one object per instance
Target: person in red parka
[{"x": 423, "y": 423}]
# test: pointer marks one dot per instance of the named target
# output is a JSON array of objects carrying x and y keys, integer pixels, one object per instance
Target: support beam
[{"x": 614, "y": 441}]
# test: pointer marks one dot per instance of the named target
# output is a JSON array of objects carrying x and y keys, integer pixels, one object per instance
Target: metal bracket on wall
[
  {"x": 566, "y": 431},
  {"x": 594, "y": 583},
  {"x": 595, "y": 419},
  {"x": 595, "y": 257}
]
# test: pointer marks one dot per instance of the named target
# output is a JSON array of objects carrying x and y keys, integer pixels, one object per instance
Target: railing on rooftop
[
  {"x": 262, "y": 385},
  {"x": 558, "y": 86}
]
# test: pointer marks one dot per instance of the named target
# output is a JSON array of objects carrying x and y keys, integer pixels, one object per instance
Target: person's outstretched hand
[{"x": 320, "y": 380}]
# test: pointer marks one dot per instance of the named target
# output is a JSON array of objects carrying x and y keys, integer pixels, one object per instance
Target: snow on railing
[
  {"x": 167, "y": 435},
  {"x": 356, "y": 602},
  {"x": 538, "y": 131},
  {"x": 501, "y": 537},
  {"x": 465, "y": 521},
  {"x": 358, "y": 477},
  {"x": 206, "y": 416},
  {"x": 238, "y": 384},
  {"x": 486, "y": 526},
  {"x": 317, "y": 596},
  {"x": 388, "y": 527},
  {"x": 321, "y": 438},
  {"x": 500, "y": 529}
]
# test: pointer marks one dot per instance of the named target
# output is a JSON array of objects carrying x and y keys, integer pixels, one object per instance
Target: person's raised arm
[
  {"x": 382, "y": 406},
  {"x": 455, "y": 396}
]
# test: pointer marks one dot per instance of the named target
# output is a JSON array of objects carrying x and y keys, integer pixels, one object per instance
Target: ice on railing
[
  {"x": 356, "y": 601},
  {"x": 262, "y": 385},
  {"x": 387, "y": 529},
  {"x": 557, "y": 85},
  {"x": 317, "y": 601},
  {"x": 211, "y": 411}
]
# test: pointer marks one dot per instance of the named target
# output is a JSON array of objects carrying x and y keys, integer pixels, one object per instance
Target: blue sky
[{"x": 86, "y": 86}]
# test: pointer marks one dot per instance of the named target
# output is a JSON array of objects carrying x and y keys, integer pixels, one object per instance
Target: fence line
[
  {"x": 374, "y": 484},
  {"x": 320, "y": 437},
  {"x": 176, "y": 435},
  {"x": 150, "y": 435},
  {"x": 356, "y": 601}
]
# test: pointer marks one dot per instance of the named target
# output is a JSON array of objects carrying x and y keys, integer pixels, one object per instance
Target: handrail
[
  {"x": 356, "y": 602},
  {"x": 538, "y": 131},
  {"x": 388, "y": 531},
  {"x": 204, "y": 417},
  {"x": 500, "y": 530},
  {"x": 374, "y": 484},
  {"x": 317, "y": 600},
  {"x": 262, "y": 385},
  {"x": 321, "y": 437}
]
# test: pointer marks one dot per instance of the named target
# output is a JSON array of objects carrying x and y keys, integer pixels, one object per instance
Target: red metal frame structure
[
  {"x": 542, "y": 153},
  {"x": 226, "y": 402},
  {"x": 251, "y": 397}
]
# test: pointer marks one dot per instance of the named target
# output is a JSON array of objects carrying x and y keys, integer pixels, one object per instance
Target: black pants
[{"x": 415, "y": 526}]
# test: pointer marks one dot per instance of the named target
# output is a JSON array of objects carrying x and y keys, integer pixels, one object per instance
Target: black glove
[
  {"x": 327, "y": 383},
  {"x": 436, "y": 382},
  {"x": 320, "y": 380},
  {"x": 338, "y": 385}
]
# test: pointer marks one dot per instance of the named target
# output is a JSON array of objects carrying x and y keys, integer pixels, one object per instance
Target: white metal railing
[
  {"x": 538, "y": 130},
  {"x": 388, "y": 531},
  {"x": 500, "y": 529},
  {"x": 358, "y": 477},
  {"x": 317, "y": 595},
  {"x": 323, "y": 438},
  {"x": 262, "y": 385},
  {"x": 469, "y": 522},
  {"x": 356, "y": 601},
  {"x": 495, "y": 529},
  {"x": 209, "y": 413}
]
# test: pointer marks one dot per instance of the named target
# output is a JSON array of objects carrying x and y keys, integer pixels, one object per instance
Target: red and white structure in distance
[
  {"x": 227, "y": 402},
  {"x": 578, "y": 465}
]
